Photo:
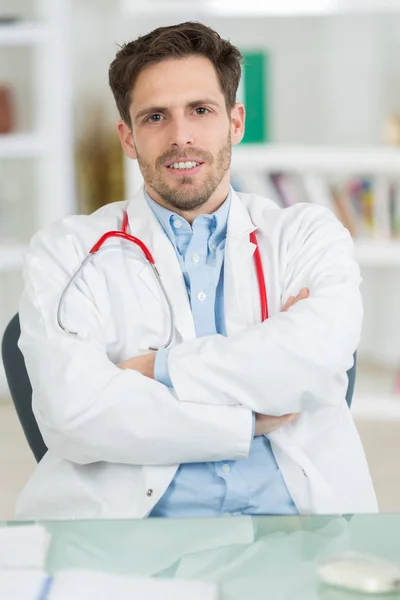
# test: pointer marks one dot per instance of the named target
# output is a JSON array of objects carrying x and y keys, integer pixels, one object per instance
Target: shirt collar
[{"x": 218, "y": 220}]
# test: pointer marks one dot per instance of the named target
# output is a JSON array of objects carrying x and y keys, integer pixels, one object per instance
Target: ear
[
  {"x": 126, "y": 139},
  {"x": 238, "y": 115}
]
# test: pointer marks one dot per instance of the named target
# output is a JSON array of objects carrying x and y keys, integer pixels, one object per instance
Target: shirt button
[
  {"x": 149, "y": 492},
  {"x": 195, "y": 258},
  {"x": 177, "y": 224},
  {"x": 213, "y": 247},
  {"x": 226, "y": 468},
  {"x": 201, "y": 296}
]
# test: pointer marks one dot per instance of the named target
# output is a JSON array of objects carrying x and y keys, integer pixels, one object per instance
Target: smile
[
  {"x": 184, "y": 165},
  {"x": 180, "y": 169}
]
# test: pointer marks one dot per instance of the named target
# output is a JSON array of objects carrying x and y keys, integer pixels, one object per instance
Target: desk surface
[{"x": 270, "y": 558}]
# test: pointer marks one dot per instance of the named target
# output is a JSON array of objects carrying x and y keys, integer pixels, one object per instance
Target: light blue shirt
[{"x": 249, "y": 487}]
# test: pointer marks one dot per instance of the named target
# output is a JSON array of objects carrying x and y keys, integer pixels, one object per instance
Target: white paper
[
  {"x": 23, "y": 546},
  {"x": 20, "y": 584},
  {"x": 87, "y": 585}
]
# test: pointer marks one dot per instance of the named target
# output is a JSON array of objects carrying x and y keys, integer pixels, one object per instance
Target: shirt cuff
[{"x": 161, "y": 371}]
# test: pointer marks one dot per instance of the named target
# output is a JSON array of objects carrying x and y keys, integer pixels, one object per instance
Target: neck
[{"x": 210, "y": 206}]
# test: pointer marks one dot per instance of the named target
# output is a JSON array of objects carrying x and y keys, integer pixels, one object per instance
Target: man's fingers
[
  {"x": 266, "y": 424},
  {"x": 288, "y": 304},
  {"x": 286, "y": 418},
  {"x": 289, "y": 417},
  {"x": 302, "y": 295}
]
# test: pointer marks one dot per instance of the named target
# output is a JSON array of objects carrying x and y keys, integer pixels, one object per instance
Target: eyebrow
[{"x": 164, "y": 109}]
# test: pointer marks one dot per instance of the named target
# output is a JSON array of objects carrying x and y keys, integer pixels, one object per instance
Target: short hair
[{"x": 176, "y": 41}]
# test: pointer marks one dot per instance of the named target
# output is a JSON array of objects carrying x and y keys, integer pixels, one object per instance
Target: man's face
[{"x": 181, "y": 132}]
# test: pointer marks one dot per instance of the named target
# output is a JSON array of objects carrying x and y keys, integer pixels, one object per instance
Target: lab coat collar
[
  {"x": 239, "y": 221},
  {"x": 242, "y": 297},
  {"x": 144, "y": 224}
]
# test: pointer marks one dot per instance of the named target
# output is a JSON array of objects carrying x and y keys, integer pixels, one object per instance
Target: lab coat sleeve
[
  {"x": 88, "y": 409},
  {"x": 297, "y": 360}
]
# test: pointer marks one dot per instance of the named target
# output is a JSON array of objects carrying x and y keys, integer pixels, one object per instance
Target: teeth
[{"x": 184, "y": 165}]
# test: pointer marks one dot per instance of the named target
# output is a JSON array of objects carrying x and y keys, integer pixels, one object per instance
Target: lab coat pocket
[{"x": 308, "y": 488}]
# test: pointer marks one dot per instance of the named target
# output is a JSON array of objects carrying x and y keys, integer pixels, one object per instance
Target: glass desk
[{"x": 250, "y": 558}]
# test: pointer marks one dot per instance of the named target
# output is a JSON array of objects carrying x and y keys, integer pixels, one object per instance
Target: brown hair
[{"x": 176, "y": 41}]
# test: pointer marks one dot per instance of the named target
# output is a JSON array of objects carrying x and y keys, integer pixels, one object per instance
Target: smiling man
[
  {"x": 178, "y": 107},
  {"x": 244, "y": 411}
]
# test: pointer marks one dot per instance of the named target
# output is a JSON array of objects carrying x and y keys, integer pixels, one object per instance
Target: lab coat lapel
[
  {"x": 144, "y": 225},
  {"x": 242, "y": 305}
]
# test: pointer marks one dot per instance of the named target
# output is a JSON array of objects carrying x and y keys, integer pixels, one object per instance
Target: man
[{"x": 236, "y": 416}]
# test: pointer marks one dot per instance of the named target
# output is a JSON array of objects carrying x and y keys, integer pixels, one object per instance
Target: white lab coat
[{"x": 116, "y": 438}]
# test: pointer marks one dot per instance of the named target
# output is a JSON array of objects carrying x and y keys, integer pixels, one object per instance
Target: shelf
[
  {"x": 11, "y": 256},
  {"x": 256, "y": 8},
  {"x": 321, "y": 159},
  {"x": 374, "y": 253},
  {"x": 23, "y": 34},
  {"x": 21, "y": 145},
  {"x": 376, "y": 408}
]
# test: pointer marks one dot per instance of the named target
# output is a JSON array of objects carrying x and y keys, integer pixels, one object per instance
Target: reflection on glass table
[{"x": 249, "y": 558}]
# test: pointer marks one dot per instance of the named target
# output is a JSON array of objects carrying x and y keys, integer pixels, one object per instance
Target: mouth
[{"x": 184, "y": 168}]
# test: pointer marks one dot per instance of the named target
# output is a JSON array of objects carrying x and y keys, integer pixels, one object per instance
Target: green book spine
[{"x": 254, "y": 90}]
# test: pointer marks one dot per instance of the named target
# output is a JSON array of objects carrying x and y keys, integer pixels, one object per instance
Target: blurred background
[{"x": 321, "y": 82}]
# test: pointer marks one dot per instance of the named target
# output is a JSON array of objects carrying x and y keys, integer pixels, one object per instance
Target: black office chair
[
  {"x": 20, "y": 387},
  {"x": 21, "y": 390}
]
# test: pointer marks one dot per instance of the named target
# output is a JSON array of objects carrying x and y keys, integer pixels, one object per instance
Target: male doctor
[{"x": 236, "y": 416}]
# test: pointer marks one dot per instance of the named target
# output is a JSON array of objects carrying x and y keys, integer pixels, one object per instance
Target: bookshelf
[
  {"x": 39, "y": 154},
  {"x": 361, "y": 185}
]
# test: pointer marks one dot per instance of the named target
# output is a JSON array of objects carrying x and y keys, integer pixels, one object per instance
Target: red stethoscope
[{"x": 99, "y": 248}]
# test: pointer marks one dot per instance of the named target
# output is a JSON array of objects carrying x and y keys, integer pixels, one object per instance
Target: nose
[{"x": 181, "y": 134}]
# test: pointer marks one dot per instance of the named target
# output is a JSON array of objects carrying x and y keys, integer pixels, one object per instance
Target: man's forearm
[{"x": 144, "y": 364}]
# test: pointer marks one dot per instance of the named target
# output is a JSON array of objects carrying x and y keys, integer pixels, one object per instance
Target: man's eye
[
  {"x": 154, "y": 118},
  {"x": 202, "y": 110}
]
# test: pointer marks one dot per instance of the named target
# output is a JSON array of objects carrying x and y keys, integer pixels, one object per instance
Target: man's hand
[
  {"x": 302, "y": 295},
  {"x": 265, "y": 423},
  {"x": 143, "y": 364}
]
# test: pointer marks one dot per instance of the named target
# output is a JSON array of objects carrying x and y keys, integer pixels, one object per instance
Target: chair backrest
[
  {"x": 20, "y": 387},
  {"x": 21, "y": 390},
  {"x": 351, "y": 375}
]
